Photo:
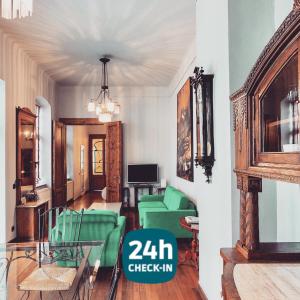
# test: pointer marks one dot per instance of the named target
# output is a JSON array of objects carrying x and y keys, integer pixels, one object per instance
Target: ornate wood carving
[
  {"x": 242, "y": 218},
  {"x": 240, "y": 112},
  {"x": 249, "y": 224},
  {"x": 291, "y": 178},
  {"x": 251, "y": 221},
  {"x": 252, "y": 163}
]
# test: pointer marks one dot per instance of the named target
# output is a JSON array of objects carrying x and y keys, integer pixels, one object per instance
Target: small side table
[{"x": 191, "y": 254}]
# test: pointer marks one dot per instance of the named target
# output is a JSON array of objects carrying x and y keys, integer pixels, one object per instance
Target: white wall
[
  {"x": 282, "y": 9},
  {"x": 77, "y": 136},
  {"x": 3, "y": 163},
  {"x": 213, "y": 200},
  {"x": 288, "y": 210},
  {"x": 80, "y": 138},
  {"x": 251, "y": 25},
  {"x": 146, "y": 131},
  {"x": 25, "y": 81}
]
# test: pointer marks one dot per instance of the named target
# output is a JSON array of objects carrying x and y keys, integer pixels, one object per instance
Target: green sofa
[
  {"x": 164, "y": 211},
  {"x": 102, "y": 225}
]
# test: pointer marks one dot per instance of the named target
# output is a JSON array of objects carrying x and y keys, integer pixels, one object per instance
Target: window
[
  {"x": 98, "y": 156},
  {"x": 38, "y": 143}
]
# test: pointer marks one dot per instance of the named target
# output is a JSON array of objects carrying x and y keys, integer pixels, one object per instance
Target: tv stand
[{"x": 137, "y": 187}]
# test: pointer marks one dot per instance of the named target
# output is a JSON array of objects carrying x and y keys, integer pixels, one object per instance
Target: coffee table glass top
[{"x": 24, "y": 269}]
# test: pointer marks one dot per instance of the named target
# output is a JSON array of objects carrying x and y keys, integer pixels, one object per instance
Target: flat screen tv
[{"x": 140, "y": 174}]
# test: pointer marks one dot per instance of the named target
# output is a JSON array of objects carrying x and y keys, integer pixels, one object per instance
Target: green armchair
[
  {"x": 105, "y": 226},
  {"x": 165, "y": 211}
]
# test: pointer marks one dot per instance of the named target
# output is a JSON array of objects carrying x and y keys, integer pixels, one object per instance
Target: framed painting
[{"x": 185, "y": 165}]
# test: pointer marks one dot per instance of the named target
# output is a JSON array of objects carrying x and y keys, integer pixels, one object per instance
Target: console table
[{"x": 28, "y": 219}]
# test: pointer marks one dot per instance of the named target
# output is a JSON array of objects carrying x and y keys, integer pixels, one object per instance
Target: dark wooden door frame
[
  {"x": 91, "y": 137},
  {"x": 80, "y": 121},
  {"x": 59, "y": 166},
  {"x": 95, "y": 121}
]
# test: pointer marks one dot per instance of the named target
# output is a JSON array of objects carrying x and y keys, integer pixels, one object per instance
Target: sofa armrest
[
  {"x": 168, "y": 220},
  {"x": 113, "y": 242},
  {"x": 149, "y": 198}
]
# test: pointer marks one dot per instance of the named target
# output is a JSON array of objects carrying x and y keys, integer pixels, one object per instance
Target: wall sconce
[{"x": 203, "y": 88}]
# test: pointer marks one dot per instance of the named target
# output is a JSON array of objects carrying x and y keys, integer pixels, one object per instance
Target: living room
[{"x": 50, "y": 57}]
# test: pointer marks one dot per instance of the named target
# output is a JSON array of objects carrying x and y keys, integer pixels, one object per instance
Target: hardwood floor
[
  {"x": 86, "y": 200},
  {"x": 184, "y": 286}
]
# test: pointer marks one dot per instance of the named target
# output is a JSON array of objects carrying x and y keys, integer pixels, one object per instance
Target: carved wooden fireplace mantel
[
  {"x": 266, "y": 122},
  {"x": 267, "y": 137}
]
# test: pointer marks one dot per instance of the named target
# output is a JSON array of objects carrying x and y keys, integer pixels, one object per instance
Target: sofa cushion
[
  {"x": 142, "y": 211},
  {"x": 175, "y": 199},
  {"x": 152, "y": 204},
  {"x": 97, "y": 224}
]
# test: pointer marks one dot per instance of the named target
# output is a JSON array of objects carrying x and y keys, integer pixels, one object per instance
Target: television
[{"x": 142, "y": 173}]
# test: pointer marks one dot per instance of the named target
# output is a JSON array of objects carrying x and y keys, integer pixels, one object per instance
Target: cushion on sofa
[
  {"x": 175, "y": 199},
  {"x": 142, "y": 211},
  {"x": 152, "y": 204}
]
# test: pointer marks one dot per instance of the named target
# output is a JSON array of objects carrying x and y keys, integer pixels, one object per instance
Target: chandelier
[
  {"x": 16, "y": 9},
  {"x": 103, "y": 105}
]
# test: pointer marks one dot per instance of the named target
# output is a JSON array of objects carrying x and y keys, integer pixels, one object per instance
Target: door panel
[
  {"x": 114, "y": 161},
  {"x": 59, "y": 164},
  {"x": 97, "y": 176}
]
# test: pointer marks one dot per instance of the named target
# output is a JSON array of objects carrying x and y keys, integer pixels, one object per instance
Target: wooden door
[
  {"x": 114, "y": 161},
  {"x": 59, "y": 165},
  {"x": 97, "y": 176}
]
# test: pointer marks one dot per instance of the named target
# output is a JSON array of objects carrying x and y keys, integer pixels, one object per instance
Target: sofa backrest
[
  {"x": 97, "y": 224},
  {"x": 175, "y": 199}
]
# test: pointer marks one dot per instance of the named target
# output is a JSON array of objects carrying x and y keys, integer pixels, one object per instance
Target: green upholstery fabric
[
  {"x": 148, "y": 198},
  {"x": 175, "y": 199},
  {"x": 157, "y": 204},
  {"x": 103, "y": 225},
  {"x": 168, "y": 220},
  {"x": 144, "y": 209},
  {"x": 166, "y": 214}
]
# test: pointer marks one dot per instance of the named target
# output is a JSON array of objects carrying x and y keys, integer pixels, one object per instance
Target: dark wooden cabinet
[
  {"x": 266, "y": 124},
  {"x": 266, "y": 121},
  {"x": 28, "y": 220}
]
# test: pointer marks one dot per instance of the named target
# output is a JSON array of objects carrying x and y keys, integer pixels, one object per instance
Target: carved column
[
  {"x": 242, "y": 218},
  {"x": 249, "y": 224}
]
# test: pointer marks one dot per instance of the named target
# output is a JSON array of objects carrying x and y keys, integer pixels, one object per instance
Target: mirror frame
[
  {"x": 205, "y": 155},
  {"x": 21, "y": 115}
]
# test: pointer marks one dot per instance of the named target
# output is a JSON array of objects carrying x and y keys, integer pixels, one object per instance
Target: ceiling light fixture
[
  {"x": 16, "y": 9},
  {"x": 104, "y": 107}
]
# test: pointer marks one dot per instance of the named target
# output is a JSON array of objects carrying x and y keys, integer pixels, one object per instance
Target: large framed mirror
[{"x": 26, "y": 153}]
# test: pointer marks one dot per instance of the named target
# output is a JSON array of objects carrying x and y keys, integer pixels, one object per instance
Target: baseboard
[{"x": 202, "y": 294}]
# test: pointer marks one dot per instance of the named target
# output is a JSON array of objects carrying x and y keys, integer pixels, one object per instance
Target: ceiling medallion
[
  {"x": 16, "y": 9},
  {"x": 103, "y": 105}
]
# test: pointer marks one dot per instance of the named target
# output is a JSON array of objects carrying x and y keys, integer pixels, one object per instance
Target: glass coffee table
[{"x": 49, "y": 270}]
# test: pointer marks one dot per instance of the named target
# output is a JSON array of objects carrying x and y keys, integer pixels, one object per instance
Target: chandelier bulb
[{"x": 91, "y": 106}]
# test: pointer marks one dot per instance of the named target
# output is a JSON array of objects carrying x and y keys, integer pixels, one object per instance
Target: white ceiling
[{"x": 146, "y": 38}]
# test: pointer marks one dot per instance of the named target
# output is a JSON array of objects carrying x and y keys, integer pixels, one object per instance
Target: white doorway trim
[{"x": 3, "y": 186}]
